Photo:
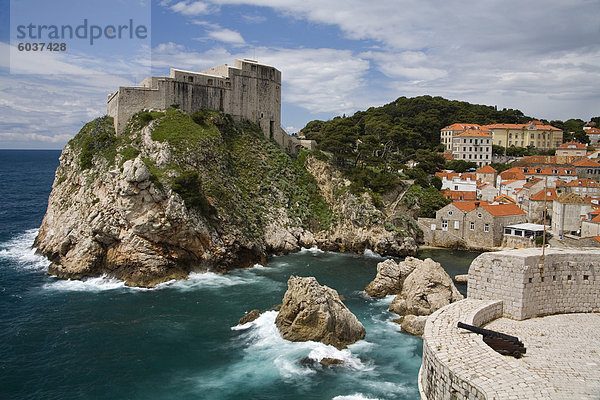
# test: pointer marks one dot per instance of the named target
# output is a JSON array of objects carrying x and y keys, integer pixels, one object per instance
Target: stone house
[
  {"x": 484, "y": 225},
  {"x": 568, "y": 210},
  {"x": 583, "y": 187},
  {"x": 471, "y": 224},
  {"x": 591, "y": 228},
  {"x": 594, "y": 135},
  {"x": 486, "y": 192},
  {"x": 587, "y": 168},
  {"x": 571, "y": 149},
  {"x": 535, "y": 203},
  {"x": 486, "y": 174}
]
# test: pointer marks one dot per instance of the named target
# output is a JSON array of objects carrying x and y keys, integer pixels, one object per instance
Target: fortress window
[{"x": 190, "y": 79}]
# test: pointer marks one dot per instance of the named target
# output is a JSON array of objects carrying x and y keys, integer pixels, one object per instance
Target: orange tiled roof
[
  {"x": 593, "y": 131},
  {"x": 586, "y": 162},
  {"x": 501, "y": 210},
  {"x": 503, "y": 198},
  {"x": 473, "y": 133},
  {"x": 532, "y": 182},
  {"x": 466, "y": 206},
  {"x": 459, "y": 194},
  {"x": 597, "y": 238},
  {"x": 538, "y": 125},
  {"x": 547, "y": 171},
  {"x": 448, "y": 156},
  {"x": 549, "y": 195},
  {"x": 512, "y": 173},
  {"x": 583, "y": 182},
  {"x": 486, "y": 169},
  {"x": 569, "y": 145},
  {"x": 460, "y": 127},
  {"x": 596, "y": 219}
]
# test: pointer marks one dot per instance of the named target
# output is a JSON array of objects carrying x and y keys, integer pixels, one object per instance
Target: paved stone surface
[{"x": 564, "y": 350}]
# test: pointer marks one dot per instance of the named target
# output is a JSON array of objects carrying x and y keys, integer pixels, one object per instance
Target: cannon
[{"x": 502, "y": 343}]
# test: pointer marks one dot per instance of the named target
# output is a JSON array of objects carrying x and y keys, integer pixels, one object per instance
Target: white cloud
[
  {"x": 190, "y": 8},
  {"x": 227, "y": 36}
]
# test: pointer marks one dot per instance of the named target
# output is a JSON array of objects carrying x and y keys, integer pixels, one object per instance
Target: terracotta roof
[
  {"x": 503, "y": 198},
  {"x": 500, "y": 210},
  {"x": 547, "y": 171},
  {"x": 460, "y": 127},
  {"x": 540, "y": 126},
  {"x": 472, "y": 133},
  {"x": 593, "y": 131},
  {"x": 597, "y": 238},
  {"x": 467, "y": 206},
  {"x": 486, "y": 169},
  {"x": 571, "y": 145},
  {"x": 591, "y": 123},
  {"x": 583, "y": 182},
  {"x": 448, "y": 156},
  {"x": 596, "y": 219},
  {"x": 512, "y": 173},
  {"x": 549, "y": 194},
  {"x": 459, "y": 194},
  {"x": 586, "y": 162},
  {"x": 570, "y": 198},
  {"x": 532, "y": 182},
  {"x": 538, "y": 160}
]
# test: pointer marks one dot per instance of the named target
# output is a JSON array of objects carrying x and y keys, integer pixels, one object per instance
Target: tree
[{"x": 460, "y": 165}]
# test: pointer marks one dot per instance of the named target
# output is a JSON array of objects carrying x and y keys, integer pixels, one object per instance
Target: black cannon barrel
[{"x": 489, "y": 333}]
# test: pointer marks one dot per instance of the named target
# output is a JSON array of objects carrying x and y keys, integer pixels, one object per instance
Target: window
[
  {"x": 472, "y": 226},
  {"x": 456, "y": 224},
  {"x": 210, "y": 81},
  {"x": 190, "y": 79},
  {"x": 479, "y": 215},
  {"x": 568, "y": 172},
  {"x": 538, "y": 171},
  {"x": 444, "y": 225},
  {"x": 455, "y": 187},
  {"x": 450, "y": 212},
  {"x": 486, "y": 227},
  {"x": 525, "y": 170},
  {"x": 532, "y": 136},
  {"x": 487, "y": 156},
  {"x": 499, "y": 142},
  {"x": 510, "y": 135}
]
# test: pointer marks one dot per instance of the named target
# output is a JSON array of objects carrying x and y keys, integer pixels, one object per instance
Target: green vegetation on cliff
[{"x": 221, "y": 169}]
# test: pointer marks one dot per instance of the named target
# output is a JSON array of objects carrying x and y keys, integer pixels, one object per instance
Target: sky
[{"x": 336, "y": 57}]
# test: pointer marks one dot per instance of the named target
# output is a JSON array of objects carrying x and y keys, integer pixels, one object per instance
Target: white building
[{"x": 473, "y": 145}]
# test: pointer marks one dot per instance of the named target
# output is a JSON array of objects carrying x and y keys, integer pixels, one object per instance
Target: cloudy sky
[{"x": 336, "y": 57}]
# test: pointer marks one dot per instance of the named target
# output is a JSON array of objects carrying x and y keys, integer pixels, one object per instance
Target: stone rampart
[
  {"x": 458, "y": 365},
  {"x": 566, "y": 281}
]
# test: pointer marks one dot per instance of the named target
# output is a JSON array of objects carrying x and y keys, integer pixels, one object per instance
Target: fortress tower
[{"x": 247, "y": 91}]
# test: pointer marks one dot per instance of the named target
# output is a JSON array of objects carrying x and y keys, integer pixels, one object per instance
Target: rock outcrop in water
[
  {"x": 390, "y": 277},
  {"x": 421, "y": 286},
  {"x": 176, "y": 193},
  {"x": 314, "y": 312}
]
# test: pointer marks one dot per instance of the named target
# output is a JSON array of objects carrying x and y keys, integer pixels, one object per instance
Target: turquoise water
[{"x": 98, "y": 339}]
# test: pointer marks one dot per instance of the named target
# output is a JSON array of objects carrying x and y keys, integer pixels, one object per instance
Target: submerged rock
[
  {"x": 461, "y": 278},
  {"x": 249, "y": 317},
  {"x": 413, "y": 324},
  {"x": 426, "y": 289},
  {"x": 327, "y": 361},
  {"x": 314, "y": 312}
]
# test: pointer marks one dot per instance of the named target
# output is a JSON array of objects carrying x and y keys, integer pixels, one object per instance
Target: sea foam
[{"x": 20, "y": 254}]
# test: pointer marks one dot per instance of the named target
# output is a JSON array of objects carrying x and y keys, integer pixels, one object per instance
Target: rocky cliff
[{"x": 176, "y": 193}]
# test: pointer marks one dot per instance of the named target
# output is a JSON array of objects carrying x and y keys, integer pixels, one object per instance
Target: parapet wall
[{"x": 566, "y": 281}]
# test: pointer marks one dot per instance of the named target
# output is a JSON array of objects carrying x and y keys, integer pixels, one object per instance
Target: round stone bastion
[{"x": 551, "y": 302}]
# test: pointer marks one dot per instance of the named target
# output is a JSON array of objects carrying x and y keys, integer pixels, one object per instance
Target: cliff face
[{"x": 178, "y": 192}]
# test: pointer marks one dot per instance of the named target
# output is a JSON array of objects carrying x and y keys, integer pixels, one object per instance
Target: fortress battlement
[{"x": 247, "y": 91}]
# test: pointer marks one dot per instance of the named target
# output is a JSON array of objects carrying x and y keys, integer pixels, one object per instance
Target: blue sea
[{"x": 97, "y": 339}]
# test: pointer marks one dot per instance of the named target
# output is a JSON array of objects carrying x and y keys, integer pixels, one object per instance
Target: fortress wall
[
  {"x": 442, "y": 375},
  {"x": 567, "y": 282},
  {"x": 246, "y": 91}
]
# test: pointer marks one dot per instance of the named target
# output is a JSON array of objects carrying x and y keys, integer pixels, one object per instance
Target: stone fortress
[
  {"x": 550, "y": 301},
  {"x": 247, "y": 91}
]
